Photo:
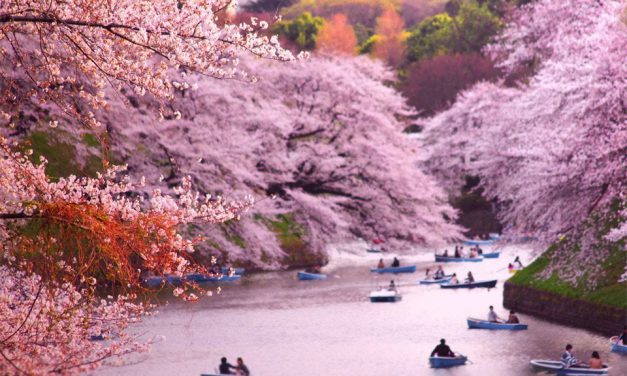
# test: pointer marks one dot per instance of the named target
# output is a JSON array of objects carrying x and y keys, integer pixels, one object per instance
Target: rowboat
[
  {"x": 397, "y": 269},
  {"x": 374, "y": 250},
  {"x": 495, "y": 254},
  {"x": 479, "y": 242},
  {"x": 304, "y": 276},
  {"x": 380, "y": 296},
  {"x": 202, "y": 278},
  {"x": 439, "y": 258},
  {"x": 154, "y": 281},
  {"x": 555, "y": 366},
  {"x": 445, "y": 361},
  {"x": 617, "y": 347},
  {"x": 174, "y": 280},
  {"x": 494, "y": 236},
  {"x": 487, "y": 284},
  {"x": 445, "y": 279},
  {"x": 484, "y": 324}
]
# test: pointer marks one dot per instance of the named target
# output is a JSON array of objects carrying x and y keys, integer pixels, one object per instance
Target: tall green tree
[{"x": 302, "y": 30}]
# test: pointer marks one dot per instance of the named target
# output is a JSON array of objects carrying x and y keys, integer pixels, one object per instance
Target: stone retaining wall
[{"x": 564, "y": 310}]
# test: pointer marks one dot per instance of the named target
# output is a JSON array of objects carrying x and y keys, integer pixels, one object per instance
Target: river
[{"x": 282, "y": 326}]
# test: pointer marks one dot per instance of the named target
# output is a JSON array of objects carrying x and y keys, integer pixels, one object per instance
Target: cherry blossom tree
[
  {"x": 324, "y": 136},
  {"x": 553, "y": 148},
  {"x": 66, "y": 242},
  {"x": 71, "y": 50}
]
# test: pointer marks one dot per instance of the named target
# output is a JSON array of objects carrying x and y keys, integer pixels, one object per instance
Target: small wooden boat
[
  {"x": 445, "y": 362},
  {"x": 439, "y": 258},
  {"x": 484, "y": 324},
  {"x": 380, "y": 296},
  {"x": 304, "y": 276},
  {"x": 154, "y": 281},
  {"x": 445, "y": 279},
  {"x": 479, "y": 242},
  {"x": 374, "y": 250},
  {"x": 495, "y": 254},
  {"x": 617, "y": 347},
  {"x": 555, "y": 366},
  {"x": 203, "y": 278},
  {"x": 488, "y": 284},
  {"x": 397, "y": 269}
]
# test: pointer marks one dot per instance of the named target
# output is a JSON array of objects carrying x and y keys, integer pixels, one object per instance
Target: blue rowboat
[
  {"x": 383, "y": 296},
  {"x": 174, "y": 280},
  {"x": 202, "y": 278},
  {"x": 435, "y": 281},
  {"x": 479, "y": 242},
  {"x": 439, "y": 258},
  {"x": 304, "y": 276},
  {"x": 488, "y": 284},
  {"x": 445, "y": 362},
  {"x": 374, "y": 250},
  {"x": 398, "y": 269},
  {"x": 154, "y": 281},
  {"x": 236, "y": 271},
  {"x": 494, "y": 236},
  {"x": 617, "y": 347},
  {"x": 483, "y": 324},
  {"x": 555, "y": 366},
  {"x": 491, "y": 254}
]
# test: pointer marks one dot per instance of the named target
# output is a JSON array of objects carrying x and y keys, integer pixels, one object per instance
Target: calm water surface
[{"x": 282, "y": 326}]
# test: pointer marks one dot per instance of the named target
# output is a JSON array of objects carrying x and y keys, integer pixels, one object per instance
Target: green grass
[{"x": 91, "y": 140}]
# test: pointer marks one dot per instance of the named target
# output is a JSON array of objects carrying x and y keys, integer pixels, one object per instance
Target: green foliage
[
  {"x": 301, "y": 30},
  {"x": 431, "y": 37},
  {"x": 471, "y": 28},
  {"x": 363, "y": 33},
  {"x": 90, "y": 140},
  {"x": 368, "y": 45}
]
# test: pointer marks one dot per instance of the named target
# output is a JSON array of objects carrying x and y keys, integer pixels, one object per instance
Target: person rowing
[
  {"x": 439, "y": 274},
  {"x": 568, "y": 359},
  {"x": 428, "y": 274},
  {"x": 380, "y": 265},
  {"x": 470, "y": 278},
  {"x": 396, "y": 263},
  {"x": 512, "y": 319},
  {"x": 454, "y": 279},
  {"x": 442, "y": 350},
  {"x": 492, "y": 316}
]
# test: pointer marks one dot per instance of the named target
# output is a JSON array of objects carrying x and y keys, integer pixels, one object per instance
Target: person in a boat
[
  {"x": 428, "y": 274},
  {"x": 595, "y": 361},
  {"x": 568, "y": 359},
  {"x": 445, "y": 254},
  {"x": 242, "y": 369},
  {"x": 470, "y": 278},
  {"x": 392, "y": 286},
  {"x": 517, "y": 263},
  {"x": 225, "y": 367},
  {"x": 479, "y": 250},
  {"x": 442, "y": 350},
  {"x": 396, "y": 263},
  {"x": 510, "y": 266},
  {"x": 439, "y": 274},
  {"x": 623, "y": 337},
  {"x": 380, "y": 265},
  {"x": 457, "y": 254},
  {"x": 492, "y": 316},
  {"x": 473, "y": 253},
  {"x": 454, "y": 279},
  {"x": 512, "y": 318}
]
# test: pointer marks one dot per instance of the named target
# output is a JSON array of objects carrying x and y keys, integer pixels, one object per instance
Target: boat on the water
[
  {"x": 494, "y": 254},
  {"x": 432, "y": 281},
  {"x": 488, "y": 284},
  {"x": 202, "y": 278},
  {"x": 494, "y": 236},
  {"x": 381, "y": 296},
  {"x": 479, "y": 242},
  {"x": 445, "y": 361},
  {"x": 154, "y": 281},
  {"x": 440, "y": 258},
  {"x": 484, "y": 324},
  {"x": 396, "y": 269},
  {"x": 555, "y": 366},
  {"x": 618, "y": 347},
  {"x": 305, "y": 276},
  {"x": 374, "y": 250}
]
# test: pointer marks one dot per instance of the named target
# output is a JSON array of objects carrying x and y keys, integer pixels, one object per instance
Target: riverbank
[{"x": 565, "y": 310}]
